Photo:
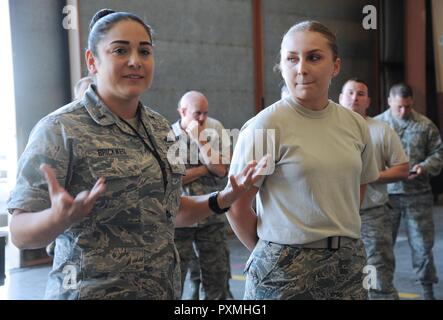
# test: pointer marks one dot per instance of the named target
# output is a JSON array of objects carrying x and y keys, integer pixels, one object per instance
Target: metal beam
[{"x": 257, "y": 24}]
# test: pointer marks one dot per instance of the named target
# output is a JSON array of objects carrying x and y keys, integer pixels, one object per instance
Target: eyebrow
[
  {"x": 142, "y": 43},
  {"x": 362, "y": 91},
  {"x": 310, "y": 51}
]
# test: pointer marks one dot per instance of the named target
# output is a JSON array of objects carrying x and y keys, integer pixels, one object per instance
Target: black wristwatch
[{"x": 213, "y": 204}]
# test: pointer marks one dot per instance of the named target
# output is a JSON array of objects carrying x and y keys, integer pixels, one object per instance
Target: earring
[{"x": 92, "y": 69}]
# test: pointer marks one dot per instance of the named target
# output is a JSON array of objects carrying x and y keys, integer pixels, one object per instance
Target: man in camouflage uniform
[
  {"x": 204, "y": 174},
  {"x": 124, "y": 249},
  {"x": 412, "y": 199},
  {"x": 392, "y": 162}
]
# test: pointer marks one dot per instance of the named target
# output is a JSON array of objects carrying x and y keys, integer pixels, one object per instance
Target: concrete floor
[{"x": 29, "y": 283}]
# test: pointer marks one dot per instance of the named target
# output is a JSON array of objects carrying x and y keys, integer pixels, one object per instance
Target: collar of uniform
[
  {"x": 404, "y": 122},
  {"x": 98, "y": 111},
  {"x": 413, "y": 116},
  {"x": 178, "y": 130},
  {"x": 101, "y": 114},
  {"x": 146, "y": 117}
]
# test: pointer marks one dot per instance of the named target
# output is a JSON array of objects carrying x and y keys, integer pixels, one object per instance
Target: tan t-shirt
[
  {"x": 388, "y": 152},
  {"x": 321, "y": 158}
]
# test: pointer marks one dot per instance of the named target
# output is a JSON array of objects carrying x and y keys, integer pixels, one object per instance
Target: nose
[
  {"x": 301, "y": 66},
  {"x": 134, "y": 61},
  {"x": 402, "y": 112}
]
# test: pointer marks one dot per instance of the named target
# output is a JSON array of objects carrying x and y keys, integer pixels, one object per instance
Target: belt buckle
[{"x": 334, "y": 243}]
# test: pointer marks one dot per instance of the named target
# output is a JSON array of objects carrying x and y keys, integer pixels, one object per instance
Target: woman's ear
[
  {"x": 337, "y": 66},
  {"x": 90, "y": 62}
]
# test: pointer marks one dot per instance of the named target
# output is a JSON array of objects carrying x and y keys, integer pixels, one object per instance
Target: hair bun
[{"x": 100, "y": 14}]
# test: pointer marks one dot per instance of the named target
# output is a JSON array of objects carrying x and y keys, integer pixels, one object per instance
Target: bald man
[{"x": 206, "y": 169}]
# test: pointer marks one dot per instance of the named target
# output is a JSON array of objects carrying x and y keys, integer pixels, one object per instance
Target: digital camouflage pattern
[
  {"x": 416, "y": 213},
  {"x": 213, "y": 257},
  {"x": 411, "y": 200},
  {"x": 285, "y": 272},
  {"x": 376, "y": 227},
  {"x": 376, "y": 233},
  {"x": 125, "y": 248},
  {"x": 194, "y": 276},
  {"x": 205, "y": 184},
  {"x": 209, "y": 234},
  {"x": 422, "y": 143}
]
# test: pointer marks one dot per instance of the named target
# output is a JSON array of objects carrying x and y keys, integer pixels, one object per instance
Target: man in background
[
  {"x": 206, "y": 169},
  {"x": 412, "y": 198},
  {"x": 393, "y": 165}
]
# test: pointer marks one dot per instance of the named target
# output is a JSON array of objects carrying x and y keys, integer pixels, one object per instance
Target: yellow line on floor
[
  {"x": 238, "y": 277},
  {"x": 409, "y": 295}
]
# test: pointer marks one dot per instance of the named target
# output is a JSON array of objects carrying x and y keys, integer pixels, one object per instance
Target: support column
[
  {"x": 257, "y": 25},
  {"x": 415, "y": 51},
  {"x": 437, "y": 28}
]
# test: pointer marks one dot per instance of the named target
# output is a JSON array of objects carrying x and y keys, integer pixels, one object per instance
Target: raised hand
[
  {"x": 67, "y": 209},
  {"x": 245, "y": 180}
]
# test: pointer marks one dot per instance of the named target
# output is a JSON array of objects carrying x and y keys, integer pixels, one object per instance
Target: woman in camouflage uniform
[{"x": 116, "y": 240}]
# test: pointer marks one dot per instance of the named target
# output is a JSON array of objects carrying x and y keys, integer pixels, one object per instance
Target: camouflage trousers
[
  {"x": 194, "y": 266},
  {"x": 213, "y": 256},
  {"x": 284, "y": 272},
  {"x": 416, "y": 212},
  {"x": 376, "y": 233}
]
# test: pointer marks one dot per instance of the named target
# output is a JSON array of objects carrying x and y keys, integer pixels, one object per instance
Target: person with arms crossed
[{"x": 205, "y": 173}]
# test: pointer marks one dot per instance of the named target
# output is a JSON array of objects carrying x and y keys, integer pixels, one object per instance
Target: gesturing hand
[
  {"x": 244, "y": 181},
  {"x": 67, "y": 209}
]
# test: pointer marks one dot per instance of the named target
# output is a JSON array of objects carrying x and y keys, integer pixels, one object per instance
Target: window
[
  {"x": 8, "y": 136},
  {"x": 8, "y": 144}
]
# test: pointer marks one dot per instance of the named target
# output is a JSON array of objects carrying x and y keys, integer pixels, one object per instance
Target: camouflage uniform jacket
[
  {"x": 422, "y": 143},
  {"x": 125, "y": 248},
  {"x": 208, "y": 183}
]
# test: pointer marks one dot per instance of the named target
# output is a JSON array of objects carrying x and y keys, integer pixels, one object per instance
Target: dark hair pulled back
[{"x": 103, "y": 21}]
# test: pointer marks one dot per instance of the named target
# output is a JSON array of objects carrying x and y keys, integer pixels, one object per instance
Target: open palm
[
  {"x": 66, "y": 208},
  {"x": 246, "y": 179}
]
